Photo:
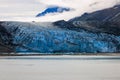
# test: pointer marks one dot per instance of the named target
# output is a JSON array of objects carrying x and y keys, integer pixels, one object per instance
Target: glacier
[
  {"x": 32, "y": 37},
  {"x": 96, "y": 32}
]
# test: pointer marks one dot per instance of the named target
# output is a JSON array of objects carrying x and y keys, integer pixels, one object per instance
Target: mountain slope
[
  {"x": 5, "y": 40},
  {"x": 107, "y": 21},
  {"x": 108, "y": 14}
]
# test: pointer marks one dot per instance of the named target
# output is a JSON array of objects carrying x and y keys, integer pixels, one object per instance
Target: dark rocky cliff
[{"x": 107, "y": 21}]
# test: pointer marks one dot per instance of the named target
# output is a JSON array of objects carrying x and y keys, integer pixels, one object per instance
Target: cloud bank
[
  {"x": 26, "y": 10},
  {"x": 80, "y": 6},
  {"x": 14, "y": 9}
]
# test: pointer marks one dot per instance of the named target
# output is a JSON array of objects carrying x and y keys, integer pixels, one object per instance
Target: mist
[
  {"x": 20, "y": 10},
  {"x": 79, "y": 6}
]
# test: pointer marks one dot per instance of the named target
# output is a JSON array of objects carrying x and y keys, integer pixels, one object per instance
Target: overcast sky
[
  {"x": 27, "y": 9},
  {"x": 20, "y": 8}
]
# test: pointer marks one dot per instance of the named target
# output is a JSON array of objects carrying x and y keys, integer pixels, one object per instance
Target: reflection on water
[{"x": 62, "y": 57}]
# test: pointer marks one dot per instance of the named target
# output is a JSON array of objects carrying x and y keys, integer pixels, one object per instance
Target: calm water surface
[{"x": 60, "y": 68}]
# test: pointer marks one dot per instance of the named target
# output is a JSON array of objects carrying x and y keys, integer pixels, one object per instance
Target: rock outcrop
[{"x": 107, "y": 21}]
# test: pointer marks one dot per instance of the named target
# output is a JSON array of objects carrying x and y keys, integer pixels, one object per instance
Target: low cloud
[
  {"x": 26, "y": 10},
  {"x": 80, "y": 6}
]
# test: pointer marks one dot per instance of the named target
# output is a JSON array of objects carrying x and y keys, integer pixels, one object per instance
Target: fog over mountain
[
  {"x": 26, "y": 10},
  {"x": 91, "y": 32}
]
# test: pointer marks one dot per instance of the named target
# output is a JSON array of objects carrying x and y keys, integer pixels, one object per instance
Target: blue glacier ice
[
  {"x": 35, "y": 37},
  {"x": 96, "y": 32}
]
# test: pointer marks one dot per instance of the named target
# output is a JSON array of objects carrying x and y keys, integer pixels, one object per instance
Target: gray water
[{"x": 60, "y": 68}]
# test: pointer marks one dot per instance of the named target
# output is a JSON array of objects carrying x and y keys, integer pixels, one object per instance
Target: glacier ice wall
[{"x": 34, "y": 37}]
